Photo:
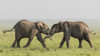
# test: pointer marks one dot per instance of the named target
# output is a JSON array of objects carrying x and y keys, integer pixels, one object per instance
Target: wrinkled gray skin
[
  {"x": 27, "y": 29},
  {"x": 75, "y": 29}
]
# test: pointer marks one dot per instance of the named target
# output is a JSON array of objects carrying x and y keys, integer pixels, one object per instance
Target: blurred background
[
  {"x": 50, "y": 12},
  {"x": 94, "y": 24}
]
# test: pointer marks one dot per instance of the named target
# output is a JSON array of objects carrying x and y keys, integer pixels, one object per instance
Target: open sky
[{"x": 49, "y": 9}]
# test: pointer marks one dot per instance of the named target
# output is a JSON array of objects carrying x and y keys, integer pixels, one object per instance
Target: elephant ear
[
  {"x": 40, "y": 25},
  {"x": 67, "y": 25}
]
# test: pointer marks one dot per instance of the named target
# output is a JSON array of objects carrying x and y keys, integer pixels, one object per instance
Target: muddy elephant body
[
  {"x": 78, "y": 30},
  {"x": 27, "y": 29}
]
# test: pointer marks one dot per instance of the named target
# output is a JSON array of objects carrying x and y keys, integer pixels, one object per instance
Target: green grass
[{"x": 36, "y": 49}]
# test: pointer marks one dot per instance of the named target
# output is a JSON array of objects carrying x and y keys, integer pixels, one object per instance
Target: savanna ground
[{"x": 36, "y": 49}]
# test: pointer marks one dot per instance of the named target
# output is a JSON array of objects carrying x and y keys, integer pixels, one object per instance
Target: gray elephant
[
  {"x": 78, "y": 30},
  {"x": 27, "y": 29}
]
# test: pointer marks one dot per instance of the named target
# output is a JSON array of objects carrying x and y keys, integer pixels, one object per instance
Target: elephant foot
[
  {"x": 80, "y": 47},
  {"x": 25, "y": 46},
  {"x": 44, "y": 46},
  {"x": 91, "y": 46},
  {"x": 59, "y": 47},
  {"x": 18, "y": 46},
  {"x": 12, "y": 46}
]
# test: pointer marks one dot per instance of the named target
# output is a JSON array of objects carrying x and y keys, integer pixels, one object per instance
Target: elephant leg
[
  {"x": 13, "y": 45},
  {"x": 67, "y": 37},
  {"x": 87, "y": 38},
  {"x": 34, "y": 32},
  {"x": 67, "y": 40},
  {"x": 39, "y": 37},
  {"x": 67, "y": 43},
  {"x": 28, "y": 43},
  {"x": 18, "y": 42},
  {"x": 16, "y": 38},
  {"x": 80, "y": 43},
  {"x": 62, "y": 42}
]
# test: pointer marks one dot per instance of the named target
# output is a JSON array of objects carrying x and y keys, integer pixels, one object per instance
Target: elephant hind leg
[
  {"x": 87, "y": 38},
  {"x": 17, "y": 36},
  {"x": 13, "y": 45},
  {"x": 18, "y": 42},
  {"x": 80, "y": 43},
  {"x": 34, "y": 32},
  {"x": 29, "y": 41}
]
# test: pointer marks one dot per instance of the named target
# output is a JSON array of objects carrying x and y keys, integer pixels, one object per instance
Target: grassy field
[{"x": 36, "y": 49}]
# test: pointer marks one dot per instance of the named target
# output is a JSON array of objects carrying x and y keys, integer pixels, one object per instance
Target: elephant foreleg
[
  {"x": 62, "y": 42},
  {"x": 31, "y": 38},
  {"x": 67, "y": 37},
  {"x": 39, "y": 37},
  {"x": 67, "y": 43},
  {"x": 67, "y": 34}
]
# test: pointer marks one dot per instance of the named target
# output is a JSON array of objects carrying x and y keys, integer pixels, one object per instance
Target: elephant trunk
[
  {"x": 51, "y": 33},
  {"x": 49, "y": 36}
]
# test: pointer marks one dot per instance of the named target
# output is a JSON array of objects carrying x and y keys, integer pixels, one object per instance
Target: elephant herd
[{"x": 27, "y": 29}]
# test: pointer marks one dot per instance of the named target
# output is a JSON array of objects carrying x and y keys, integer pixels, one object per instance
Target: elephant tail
[
  {"x": 17, "y": 24},
  {"x": 4, "y": 31},
  {"x": 93, "y": 33}
]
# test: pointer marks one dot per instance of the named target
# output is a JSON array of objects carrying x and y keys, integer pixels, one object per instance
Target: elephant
[
  {"x": 27, "y": 29},
  {"x": 78, "y": 29}
]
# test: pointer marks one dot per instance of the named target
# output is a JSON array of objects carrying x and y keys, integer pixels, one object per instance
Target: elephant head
[
  {"x": 56, "y": 28},
  {"x": 42, "y": 28}
]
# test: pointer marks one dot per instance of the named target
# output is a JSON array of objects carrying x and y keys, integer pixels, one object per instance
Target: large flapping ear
[
  {"x": 69, "y": 24},
  {"x": 39, "y": 25},
  {"x": 45, "y": 26}
]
